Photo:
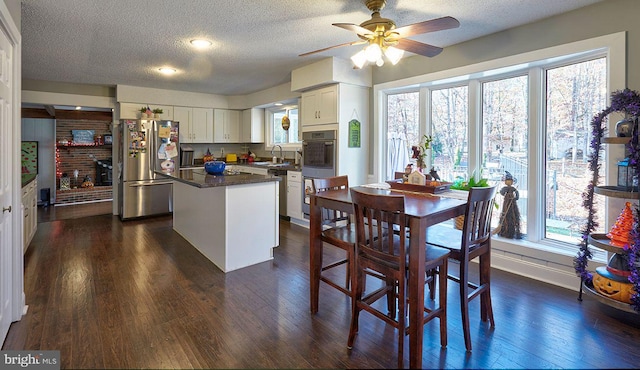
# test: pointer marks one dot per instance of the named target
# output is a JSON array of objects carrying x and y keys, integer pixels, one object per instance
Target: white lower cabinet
[
  {"x": 294, "y": 194},
  {"x": 29, "y": 212}
]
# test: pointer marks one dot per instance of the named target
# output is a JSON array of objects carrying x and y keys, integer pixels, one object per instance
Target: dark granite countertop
[
  {"x": 286, "y": 167},
  {"x": 27, "y": 178},
  {"x": 199, "y": 178}
]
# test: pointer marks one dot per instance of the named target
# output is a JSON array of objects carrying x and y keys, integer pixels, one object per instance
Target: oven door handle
[{"x": 325, "y": 143}]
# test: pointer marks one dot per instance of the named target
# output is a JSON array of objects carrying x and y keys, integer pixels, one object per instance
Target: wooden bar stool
[
  {"x": 386, "y": 253},
  {"x": 474, "y": 241}
]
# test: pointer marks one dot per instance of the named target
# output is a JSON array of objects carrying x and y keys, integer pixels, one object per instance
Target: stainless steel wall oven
[{"x": 318, "y": 161}]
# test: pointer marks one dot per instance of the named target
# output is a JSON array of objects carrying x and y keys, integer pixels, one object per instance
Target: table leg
[
  {"x": 315, "y": 252},
  {"x": 416, "y": 290}
]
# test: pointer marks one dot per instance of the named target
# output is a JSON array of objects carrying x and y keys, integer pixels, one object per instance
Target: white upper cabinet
[
  {"x": 253, "y": 125},
  {"x": 130, "y": 110},
  {"x": 319, "y": 106},
  {"x": 226, "y": 126},
  {"x": 196, "y": 124}
]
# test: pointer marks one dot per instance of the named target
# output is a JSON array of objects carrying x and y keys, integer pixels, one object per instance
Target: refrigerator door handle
[{"x": 151, "y": 183}]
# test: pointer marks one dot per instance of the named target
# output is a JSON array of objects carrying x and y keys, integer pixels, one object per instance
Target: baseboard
[{"x": 561, "y": 277}]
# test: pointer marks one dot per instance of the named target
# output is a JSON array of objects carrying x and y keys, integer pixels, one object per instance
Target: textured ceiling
[{"x": 256, "y": 43}]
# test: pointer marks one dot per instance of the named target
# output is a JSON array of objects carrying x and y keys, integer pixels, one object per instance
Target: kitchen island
[{"x": 231, "y": 219}]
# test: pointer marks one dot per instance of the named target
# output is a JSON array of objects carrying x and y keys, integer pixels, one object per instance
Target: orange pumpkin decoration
[
  {"x": 612, "y": 286},
  {"x": 207, "y": 157}
]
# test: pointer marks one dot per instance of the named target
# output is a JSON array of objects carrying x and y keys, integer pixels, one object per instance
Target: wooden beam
[
  {"x": 86, "y": 115},
  {"x": 51, "y": 110},
  {"x": 67, "y": 114},
  {"x": 35, "y": 113}
]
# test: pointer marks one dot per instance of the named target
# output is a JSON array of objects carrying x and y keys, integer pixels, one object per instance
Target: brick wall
[
  {"x": 80, "y": 158},
  {"x": 81, "y": 195}
]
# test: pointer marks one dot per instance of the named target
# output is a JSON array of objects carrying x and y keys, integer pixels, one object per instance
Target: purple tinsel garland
[{"x": 628, "y": 102}]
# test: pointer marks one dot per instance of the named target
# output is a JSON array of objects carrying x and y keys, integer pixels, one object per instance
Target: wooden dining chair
[
  {"x": 338, "y": 231},
  {"x": 386, "y": 253},
  {"x": 473, "y": 241}
]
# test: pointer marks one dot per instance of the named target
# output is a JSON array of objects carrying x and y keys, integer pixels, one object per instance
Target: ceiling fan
[{"x": 385, "y": 39}]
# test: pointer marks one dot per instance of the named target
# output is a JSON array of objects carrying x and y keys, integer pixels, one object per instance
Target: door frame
[{"x": 18, "y": 307}]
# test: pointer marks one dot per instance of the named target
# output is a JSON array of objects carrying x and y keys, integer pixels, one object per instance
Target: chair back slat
[
  {"x": 375, "y": 215},
  {"x": 477, "y": 225},
  {"x": 329, "y": 216}
]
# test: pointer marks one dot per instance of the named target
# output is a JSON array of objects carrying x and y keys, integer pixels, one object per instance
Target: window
[
  {"x": 279, "y": 134},
  {"x": 527, "y": 114},
  {"x": 574, "y": 93},
  {"x": 450, "y": 122},
  {"x": 403, "y": 130},
  {"x": 505, "y": 124}
]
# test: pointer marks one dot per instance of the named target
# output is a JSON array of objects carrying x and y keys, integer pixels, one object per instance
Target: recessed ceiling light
[
  {"x": 78, "y": 108},
  {"x": 201, "y": 43},
  {"x": 167, "y": 70},
  {"x": 277, "y": 104}
]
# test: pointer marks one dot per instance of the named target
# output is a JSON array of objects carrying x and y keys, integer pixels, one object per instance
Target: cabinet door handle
[{"x": 4, "y": 209}]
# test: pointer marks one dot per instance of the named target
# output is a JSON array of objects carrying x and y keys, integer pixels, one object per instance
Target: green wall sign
[{"x": 354, "y": 133}]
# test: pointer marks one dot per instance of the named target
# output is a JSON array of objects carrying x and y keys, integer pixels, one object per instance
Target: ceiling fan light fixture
[
  {"x": 373, "y": 52},
  {"x": 380, "y": 62},
  {"x": 393, "y": 54},
  {"x": 359, "y": 59}
]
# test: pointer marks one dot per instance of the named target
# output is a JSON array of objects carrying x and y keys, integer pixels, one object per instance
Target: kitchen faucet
[{"x": 281, "y": 156}]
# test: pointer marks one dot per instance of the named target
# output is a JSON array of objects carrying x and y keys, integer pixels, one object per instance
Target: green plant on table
[{"x": 475, "y": 181}]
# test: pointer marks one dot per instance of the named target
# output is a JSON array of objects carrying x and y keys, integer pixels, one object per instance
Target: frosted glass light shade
[
  {"x": 359, "y": 59},
  {"x": 373, "y": 52},
  {"x": 393, "y": 54}
]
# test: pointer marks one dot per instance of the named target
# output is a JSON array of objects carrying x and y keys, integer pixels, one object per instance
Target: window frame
[
  {"x": 533, "y": 64},
  {"x": 269, "y": 124}
]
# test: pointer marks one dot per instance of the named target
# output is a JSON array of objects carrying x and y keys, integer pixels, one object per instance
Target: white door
[{"x": 10, "y": 251}]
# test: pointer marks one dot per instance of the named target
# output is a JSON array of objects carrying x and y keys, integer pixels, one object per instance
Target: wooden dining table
[{"x": 422, "y": 210}]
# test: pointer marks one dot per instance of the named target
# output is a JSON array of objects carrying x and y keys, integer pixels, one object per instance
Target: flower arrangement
[
  {"x": 420, "y": 151},
  {"x": 628, "y": 102}
]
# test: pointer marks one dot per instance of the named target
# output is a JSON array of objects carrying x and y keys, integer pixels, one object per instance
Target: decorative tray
[{"x": 399, "y": 185}]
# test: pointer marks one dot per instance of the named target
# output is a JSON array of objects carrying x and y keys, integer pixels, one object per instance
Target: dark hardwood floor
[{"x": 109, "y": 294}]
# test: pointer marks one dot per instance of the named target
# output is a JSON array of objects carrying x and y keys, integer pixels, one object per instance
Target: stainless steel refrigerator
[{"x": 147, "y": 146}]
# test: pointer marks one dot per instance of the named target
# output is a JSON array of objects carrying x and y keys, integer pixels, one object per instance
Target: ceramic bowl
[{"x": 214, "y": 167}]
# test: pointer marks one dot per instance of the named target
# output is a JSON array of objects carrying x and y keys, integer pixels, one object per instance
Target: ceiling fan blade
[
  {"x": 432, "y": 25},
  {"x": 333, "y": 47},
  {"x": 355, "y": 28},
  {"x": 418, "y": 48}
]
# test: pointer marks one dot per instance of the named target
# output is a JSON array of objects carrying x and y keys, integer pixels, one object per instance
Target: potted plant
[
  {"x": 419, "y": 152},
  {"x": 157, "y": 112},
  {"x": 475, "y": 181},
  {"x": 143, "y": 112}
]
